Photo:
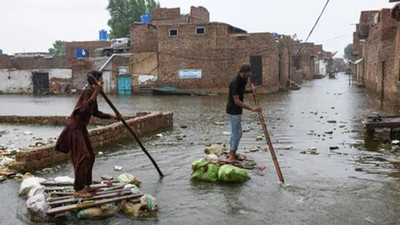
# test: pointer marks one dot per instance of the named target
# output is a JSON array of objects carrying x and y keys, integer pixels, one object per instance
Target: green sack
[
  {"x": 200, "y": 173},
  {"x": 197, "y": 164},
  {"x": 229, "y": 173}
]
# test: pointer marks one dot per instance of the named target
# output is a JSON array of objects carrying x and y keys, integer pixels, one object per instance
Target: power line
[
  {"x": 316, "y": 22},
  {"x": 335, "y": 38}
]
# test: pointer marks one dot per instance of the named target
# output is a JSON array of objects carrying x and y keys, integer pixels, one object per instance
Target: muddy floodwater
[{"x": 347, "y": 185}]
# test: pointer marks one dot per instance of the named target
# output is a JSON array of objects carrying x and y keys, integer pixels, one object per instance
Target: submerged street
[{"x": 346, "y": 185}]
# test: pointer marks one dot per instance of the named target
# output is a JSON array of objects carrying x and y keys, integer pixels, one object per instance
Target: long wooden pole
[
  {"x": 131, "y": 131},
  {"x": 267, "y": 138}
]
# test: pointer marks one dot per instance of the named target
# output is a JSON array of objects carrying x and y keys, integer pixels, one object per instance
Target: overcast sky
[{"x": 34, "y": 25}]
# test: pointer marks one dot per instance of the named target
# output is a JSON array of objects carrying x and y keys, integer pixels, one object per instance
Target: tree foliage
[
  {"x": 124, "y": 12},
  {"x": 348, "y": 53},
  {"x": 58, "y": 48}
]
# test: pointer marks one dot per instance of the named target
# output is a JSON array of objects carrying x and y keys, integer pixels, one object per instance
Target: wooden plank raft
[
  {"x": 74, "y": 199},
  {"x": 91, "y": 203},
  {"x": 61, "y": 195},
  {"x": 377, "y": 121},
  {"x": 70, "y": 192}
]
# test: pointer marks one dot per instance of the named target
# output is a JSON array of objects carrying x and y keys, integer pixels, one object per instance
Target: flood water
[{"x": 332, "y": 187}]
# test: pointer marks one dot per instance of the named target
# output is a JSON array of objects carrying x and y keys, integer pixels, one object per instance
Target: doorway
[
  {"x": 41, "y": 83},
  {"x": 256, "y": 66}
]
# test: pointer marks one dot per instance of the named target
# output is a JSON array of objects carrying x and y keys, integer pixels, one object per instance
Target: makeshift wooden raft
[
  {"x": 377, "y": 121},
  {"x": 61, "y": 196}
]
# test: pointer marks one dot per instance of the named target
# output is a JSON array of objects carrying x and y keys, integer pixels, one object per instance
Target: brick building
[
  {"x": 78, "y": 56},
  {"x": 380, "y": 53},
  {"x": 190, "y": 44},
  {"x": 190, "y": 52}
]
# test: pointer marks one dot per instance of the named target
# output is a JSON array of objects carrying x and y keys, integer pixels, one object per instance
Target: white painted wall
[
  {"x": 20, "y": 81},
  {"x": 322, "y": 67}
]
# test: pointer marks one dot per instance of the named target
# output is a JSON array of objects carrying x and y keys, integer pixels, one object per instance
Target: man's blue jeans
[{"x": 236, "y": 131}]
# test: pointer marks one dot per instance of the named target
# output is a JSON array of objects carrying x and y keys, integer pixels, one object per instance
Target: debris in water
[{"x": 28, "y": 133}]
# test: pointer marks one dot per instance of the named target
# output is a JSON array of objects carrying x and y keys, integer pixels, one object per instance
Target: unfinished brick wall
[
  {"x": 217, "y": 53},
  {"x": 144, "y": 38},
  {"x": 51, "y": 120},
  {"x": 71, "y": 47},
  {"x": 143, "y": 124},
  {"x": 81, "y": 66},
  {"x": 167, "y": 16},
  {"x": 199, "y": 15}
]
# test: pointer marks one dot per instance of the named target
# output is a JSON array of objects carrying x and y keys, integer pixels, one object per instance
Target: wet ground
[{"x": 348, "y": 185}]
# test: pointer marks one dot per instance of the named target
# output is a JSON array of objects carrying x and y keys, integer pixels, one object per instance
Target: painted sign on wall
[{"x": 189, "y": 74}]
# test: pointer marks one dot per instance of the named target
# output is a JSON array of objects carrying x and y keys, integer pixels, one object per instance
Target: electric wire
[{"x": 316, "y": 22}]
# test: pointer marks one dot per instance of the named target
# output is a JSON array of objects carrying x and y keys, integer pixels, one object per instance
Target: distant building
[{"x": 175, "y": 47}]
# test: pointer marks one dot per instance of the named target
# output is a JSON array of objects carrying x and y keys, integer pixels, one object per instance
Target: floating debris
[
  {"x": 395, "y": 142},
  {"x": 117, "y": 168},
  {"x": 259, "y": 138}
]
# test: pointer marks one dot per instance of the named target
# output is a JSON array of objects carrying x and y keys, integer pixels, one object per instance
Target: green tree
[
  {"x": 58, "y": 48},
  {"x": 124, "y": 12},
  {"x": 348, "y": 53}
]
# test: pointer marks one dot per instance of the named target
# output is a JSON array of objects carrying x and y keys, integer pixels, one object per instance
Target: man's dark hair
[
  {"x": 93, "y": 76},
  {"x": 245, "y": 68}
]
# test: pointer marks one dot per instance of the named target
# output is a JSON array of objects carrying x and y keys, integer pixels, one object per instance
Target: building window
[
  {"x": 173, "y": 32},
  {"x": 200, "y": 30}
]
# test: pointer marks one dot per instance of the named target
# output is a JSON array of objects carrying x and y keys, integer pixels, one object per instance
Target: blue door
[{"x": 124, "y": 85}]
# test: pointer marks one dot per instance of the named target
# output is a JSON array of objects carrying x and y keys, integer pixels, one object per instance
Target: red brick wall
[
  {"x": 143, "y": 38},
  {"x": 5, "y": 61},
  {"x": 379, "y": 48},
  {"x": 216, "y": 53},
  {"x": 144, "y": 124}
]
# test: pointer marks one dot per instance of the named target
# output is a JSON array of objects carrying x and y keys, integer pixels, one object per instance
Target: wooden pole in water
[
  {"x": 131, "y": 131},
  {"x": 267, "y": 138}
]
